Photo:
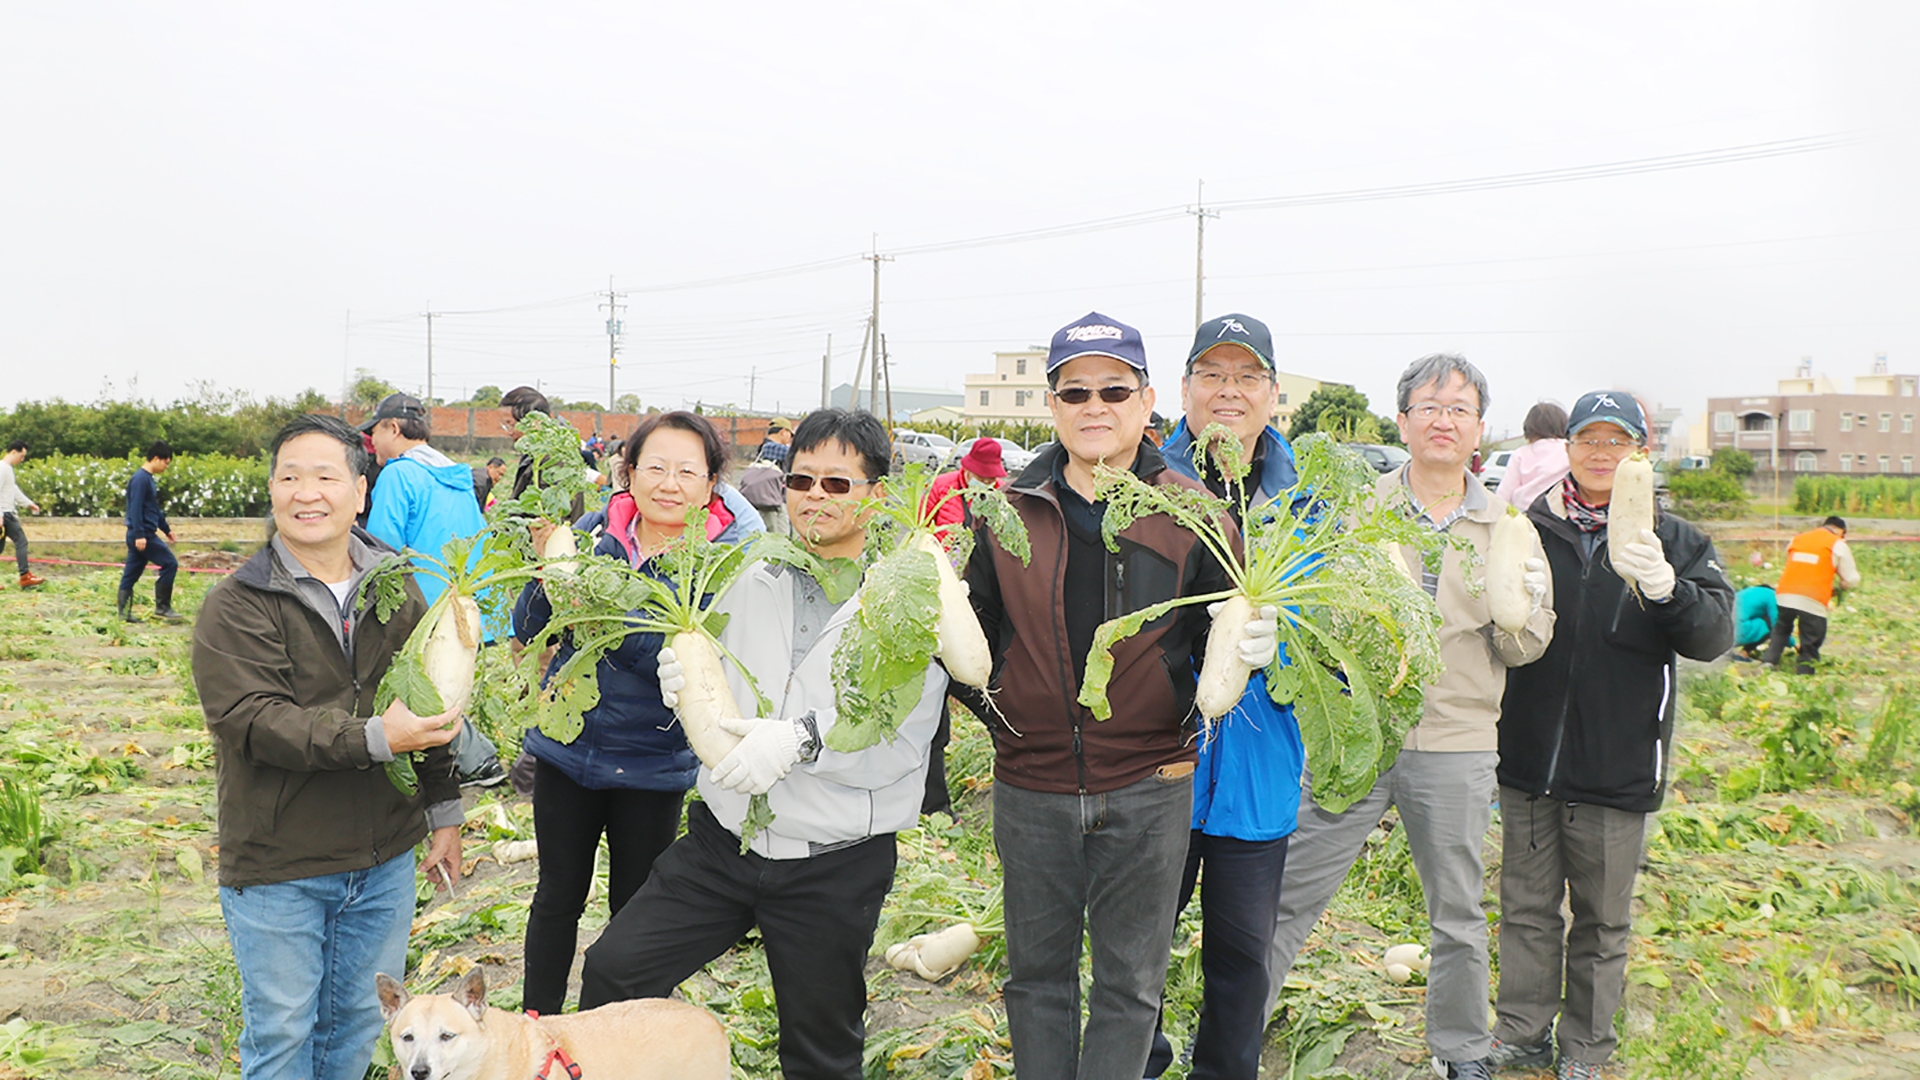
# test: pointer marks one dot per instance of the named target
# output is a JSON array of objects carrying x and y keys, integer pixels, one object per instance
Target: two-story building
[{"x": 1809, "y": 426}]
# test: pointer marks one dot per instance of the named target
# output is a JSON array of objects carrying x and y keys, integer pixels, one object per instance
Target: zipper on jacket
[{"x": 1566, "y": 701}]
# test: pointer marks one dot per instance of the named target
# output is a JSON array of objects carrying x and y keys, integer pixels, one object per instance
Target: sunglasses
[
  {"x": 832, "y": 485},
  {"x": 1080, "y": 395}
]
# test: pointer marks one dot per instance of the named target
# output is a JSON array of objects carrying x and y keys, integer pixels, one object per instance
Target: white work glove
[
  {"x": 1534, "y": 580},
  {"x": 673, "y": 678},
  {"x": 1646, "y": 560},
  {"x": 768, "y": 751},
  {"x": 1262, "y": 642}
]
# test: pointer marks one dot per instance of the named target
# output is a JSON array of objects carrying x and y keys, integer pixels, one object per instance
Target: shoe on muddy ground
[
  {"x": 489, "y": 774},
  {"x": 1506, "y": 1055},
  {"x": 31, "y": 581},
  {"x": 169, "y": 615},
  {"x": 1570, "y": 1069},
  {"x": 1461, "y": 1070}
]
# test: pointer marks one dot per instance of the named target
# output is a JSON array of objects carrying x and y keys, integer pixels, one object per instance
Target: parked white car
[
  {"x": 1495, "y": 468},
  {"x": 1014, "y": 456},
  {"x": 936, "y": 452}
]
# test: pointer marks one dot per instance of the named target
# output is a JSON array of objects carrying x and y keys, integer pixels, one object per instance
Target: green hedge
[
  {"x": 202, "y": 485},
  {"x": 1868, "y": 496}
]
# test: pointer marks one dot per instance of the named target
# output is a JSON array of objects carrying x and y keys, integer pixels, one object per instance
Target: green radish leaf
[
  {"x": 989, "y": 505},
  {"x": 400, "y": 772},
  {"x": 880, "y": 663},
  {"x": 838, "y": 578},
  {"x": 407, "y": 679},
  {"x": 1093, "y": 685},
  {"x": 759, "y": 816}
]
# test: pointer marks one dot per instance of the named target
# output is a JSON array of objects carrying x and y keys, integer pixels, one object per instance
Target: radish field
[{"x": 1777, "y": 922}]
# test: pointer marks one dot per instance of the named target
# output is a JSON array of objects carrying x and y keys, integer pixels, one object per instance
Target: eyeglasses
[
  {"x": 832, "y": 485},
  {"x": 658, "y": 474},
  {"x": 1604, "y": 444},
  {"x": 1248, "y": 381},
  {"x": 1112, "y": 395},
  {"x": 1427, "y": 411}
]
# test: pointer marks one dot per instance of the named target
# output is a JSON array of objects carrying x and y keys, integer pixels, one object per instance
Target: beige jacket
[{"x": 1462, "y": 710}]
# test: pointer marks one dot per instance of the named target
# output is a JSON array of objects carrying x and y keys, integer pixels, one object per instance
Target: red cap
[{"x": 983, "y": 459}]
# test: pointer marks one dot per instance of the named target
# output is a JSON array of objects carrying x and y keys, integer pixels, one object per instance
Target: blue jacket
[
  {"x": 145, "y": 519},
  {"x": 1754, "y": 612},
  {"x": 1247, "y": 783},
  {"x": 1277, "y": 473},
  {"x": 630, "y": 739},
  {"x": 422, "y": 501}
]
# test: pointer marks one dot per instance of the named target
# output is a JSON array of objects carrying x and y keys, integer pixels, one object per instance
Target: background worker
[
  {"x": 1586, "y": 735},
  {"x": 1442, "y": 781},
  {"x": 484, "y": 477},
  {"x": 1819, "y": 563},
  {"x": 146, "y": 524},
  {"x": 1754, "y": 612},
  {"x": 12, "y": 499},
  {"x": 1246, "y": 790}
]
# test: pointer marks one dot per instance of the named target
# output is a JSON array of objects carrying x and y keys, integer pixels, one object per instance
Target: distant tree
[
  {"x": 1733, "y": 461},
  {"x": 368, "y": 388},
  {"x": 487, "y": 397},
  {"x": 627, "y": 403},
  {"x": 1334, "y": 407}
]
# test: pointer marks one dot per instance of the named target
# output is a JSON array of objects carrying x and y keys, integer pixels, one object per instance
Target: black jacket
[{"x": 1592, "y": 720}]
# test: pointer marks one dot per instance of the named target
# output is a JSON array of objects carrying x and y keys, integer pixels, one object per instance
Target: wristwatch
[{"x": 809, "y": 737}]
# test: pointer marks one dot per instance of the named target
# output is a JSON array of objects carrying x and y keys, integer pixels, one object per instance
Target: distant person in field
[
  {"x": 779, "y": 436},
  {"x": 1541, "y": 463},
  {"x": 1586, "y": 741},
  {"x": 1754, "y": 610},
  {"x": 146, "y": 524},
  {"x": 981, "y": 465},
  {"x": 1819, "y": 564},
  {"x": 316, "y": 844},
  {"x": 12, "y": 499},
  {"x": 422, "y": 501},
  {"x": 484, "y": 477}
]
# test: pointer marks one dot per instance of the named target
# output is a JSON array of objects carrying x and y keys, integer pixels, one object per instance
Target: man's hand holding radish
[
  {"x": 768, "y": 750},
  {"x": 1260, "y": 640}
]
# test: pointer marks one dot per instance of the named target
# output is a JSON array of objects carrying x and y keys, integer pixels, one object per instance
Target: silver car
[{"x": 935, "y": 451}]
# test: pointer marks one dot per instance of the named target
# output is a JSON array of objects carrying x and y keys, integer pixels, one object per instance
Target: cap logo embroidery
[
  {"x": 1093, "y": 332},
  {"x": 1607, "y": 400},
  {"x": 1230, "y": 324}
]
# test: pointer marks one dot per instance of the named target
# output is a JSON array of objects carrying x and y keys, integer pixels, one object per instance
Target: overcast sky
[{"x": 206, "y": 191}]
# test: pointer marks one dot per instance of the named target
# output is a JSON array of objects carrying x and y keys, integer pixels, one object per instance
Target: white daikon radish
[
  {"x": 1400, "y": 973},
  {"x": 1412, "y": 955},
  {"x": 1223, "y": 675},
  {"x": 1398, "y": 560},
  {"x": 963, "y": 647},
  {"x": 935, "y": 956},
  {"x": 706, "y": 699},
  {"x": 560, "y": 544},
  {"x": 507, "y": 852},
  {"x": 453, "y": 650},
  {"x": 1512, "y": 545},
  {"x": 1629, "y": 510}
]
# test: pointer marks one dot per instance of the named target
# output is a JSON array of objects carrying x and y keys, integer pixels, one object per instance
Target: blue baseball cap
[
  {"x": 1608, "y": 407},
  {"x": 1094, "y": 334}
]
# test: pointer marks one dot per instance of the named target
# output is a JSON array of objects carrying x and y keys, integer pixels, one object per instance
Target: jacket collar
[
  {"x": 274, "y": 569},
  {"x": 1037, "y": 478}
]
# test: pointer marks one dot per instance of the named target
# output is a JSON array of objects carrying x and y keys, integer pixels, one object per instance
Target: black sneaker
[
  {"x": 489, "y": 774},
  {"x": 1519, "y": 1055},
  {"x": 1461, "y": 1070}
]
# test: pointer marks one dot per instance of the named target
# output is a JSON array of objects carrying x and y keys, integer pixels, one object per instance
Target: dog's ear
[
  {"x": 471, "y": 992},
  {"x": 393, "y": 996}
]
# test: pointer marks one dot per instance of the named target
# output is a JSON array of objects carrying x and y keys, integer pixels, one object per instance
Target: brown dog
[{"x": 458, "y": 1036}]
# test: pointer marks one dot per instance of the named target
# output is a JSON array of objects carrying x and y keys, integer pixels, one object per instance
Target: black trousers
[
  {"x": 1813, "y": 634},
  {"x": 10, "y": 530},
  {"x": 1239, "y": 908},
  {"x": 567, "y": 821},
  {"x": 816, "y": 917}
]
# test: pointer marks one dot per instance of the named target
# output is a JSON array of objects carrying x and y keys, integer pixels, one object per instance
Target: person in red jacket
[{"x": 981, "y": 464}]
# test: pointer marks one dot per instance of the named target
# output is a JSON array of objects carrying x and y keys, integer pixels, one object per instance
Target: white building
[{"x": 1015, "y": 390}]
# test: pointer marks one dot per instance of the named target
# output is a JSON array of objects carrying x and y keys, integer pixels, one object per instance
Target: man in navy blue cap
[{"x": 1091, "y": 817}]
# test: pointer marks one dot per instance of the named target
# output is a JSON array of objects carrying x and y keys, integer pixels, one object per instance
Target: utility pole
[
  {"x": 346, "y": 363},
  {"x": 873, "y": 326},
  {"x": 430, "y": 317},
  {"x": 886, "y": 367},
  {"x": 826, "y": 375},
  {"x": 614, "y": 328},
  {"x": 753, "y": 380},
  {"x": 1200, "y": 214},
  {"x": 860, "y": 365}
]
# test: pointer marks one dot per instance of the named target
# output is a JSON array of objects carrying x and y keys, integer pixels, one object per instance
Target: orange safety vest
[{"x": 1810, "y": 568}]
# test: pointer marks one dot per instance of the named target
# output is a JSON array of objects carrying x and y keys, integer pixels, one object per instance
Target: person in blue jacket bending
[
  {"x": 1246, "y": 787},
  {"x": 1754, "y": 612}
]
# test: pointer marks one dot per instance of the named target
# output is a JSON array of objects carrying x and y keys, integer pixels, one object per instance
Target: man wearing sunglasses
[
  {"x": 813, "y": 880},
  {"x": 1090, "y": 817}
]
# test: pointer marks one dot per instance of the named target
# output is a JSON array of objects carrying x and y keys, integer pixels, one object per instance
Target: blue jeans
[
  {"x": 1111, "y": 864},
  {"x": 308, "y": 951},
  {"x": 158, "y": 553}
]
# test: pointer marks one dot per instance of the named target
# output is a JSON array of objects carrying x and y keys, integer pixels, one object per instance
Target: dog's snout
[{"x": 422, "y": 1072}]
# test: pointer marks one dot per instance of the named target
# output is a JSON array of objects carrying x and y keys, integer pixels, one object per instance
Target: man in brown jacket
[
  {"x": 1091, "y": 817},
  {"x": 316, "y": 845},
  {"x": 1443, "y": 780}
]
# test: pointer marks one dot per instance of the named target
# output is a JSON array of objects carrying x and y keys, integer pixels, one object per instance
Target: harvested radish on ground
[
  {"x": 1358, "y": 636},
  {"x": 1629, "y": 510},
  {"x": 1513, "y": 543},
  {"x": 913, "y": 608},
  {"x": 935, "y": 956},
  {"x": 1412, "y": 956}
]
